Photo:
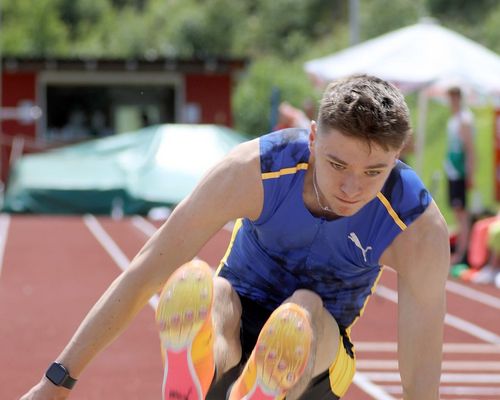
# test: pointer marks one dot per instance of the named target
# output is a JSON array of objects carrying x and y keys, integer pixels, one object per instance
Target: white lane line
[
  {"x": 365, "y": 384},
  {"x": 451, "y": 320},
  {"x": 468, "y": 292},
  {"x": 144, "y": 225},
  {"x": 455, "y": 390},
  {"x": 112, "y": 248},
  {"x": 464, "y": 348},
  {"x": 445, "y": 377},
  {"x": 392, "y": 365},
  {"x": 473, "y": 294},
  {"x": 472, "y": 329},
  {"x": 4, "y": 230},
  {"x": 149, "y": 229}
]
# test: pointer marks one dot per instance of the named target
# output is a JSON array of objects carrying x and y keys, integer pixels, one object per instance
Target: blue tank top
[{"x": 287, "y": 248}]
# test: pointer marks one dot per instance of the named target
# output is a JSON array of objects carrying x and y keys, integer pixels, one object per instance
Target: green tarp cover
[{"x": 134, "y": 171}]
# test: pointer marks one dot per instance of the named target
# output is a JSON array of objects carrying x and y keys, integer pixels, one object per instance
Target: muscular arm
[
  {"x": 232, "y": 189},
  {"x": 420, "y": 256}
]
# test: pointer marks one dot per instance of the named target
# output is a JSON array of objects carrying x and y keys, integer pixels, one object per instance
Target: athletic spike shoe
[
  {"x": 184, "y": 319},
  {"x": 279, "y": 358}
]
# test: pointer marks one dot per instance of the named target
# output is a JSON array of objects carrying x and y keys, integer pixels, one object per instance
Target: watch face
[{"x": 56, "y": 373}]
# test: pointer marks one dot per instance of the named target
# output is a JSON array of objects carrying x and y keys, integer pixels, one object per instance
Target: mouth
[{"x": 351, "y": 202}]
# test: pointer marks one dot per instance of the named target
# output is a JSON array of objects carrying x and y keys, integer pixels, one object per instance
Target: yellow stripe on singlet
[
  {"x": 284, "y": 171},
  {"x": 341, "y": 372},
  {"x": 374, "y": 286},
  {"x": 343, "y": 368},
  {"x": 237, "y": 226},
  {"x": 391, "y": 211}
]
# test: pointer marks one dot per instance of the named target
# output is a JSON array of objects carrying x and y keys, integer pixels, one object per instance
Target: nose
[{"x": 350, "y": 186}]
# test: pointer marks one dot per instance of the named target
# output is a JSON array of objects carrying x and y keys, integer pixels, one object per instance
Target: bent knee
[
  {"x": 227, "y": 305},
  {"x": 309, "y": 300}
]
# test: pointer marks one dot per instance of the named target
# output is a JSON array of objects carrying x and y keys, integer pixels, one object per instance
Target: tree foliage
[
  {"x": 278, "y": 35},
  {"x": 33, "y": 28}
]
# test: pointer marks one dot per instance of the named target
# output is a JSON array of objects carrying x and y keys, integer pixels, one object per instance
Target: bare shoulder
[
  {"x": 233, "y": 187},
  {"x": 425, "y": 243}
]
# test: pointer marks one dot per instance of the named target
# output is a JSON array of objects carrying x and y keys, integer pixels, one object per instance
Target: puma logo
[
  {"x": 174, "y": 394},
  {"x": 354, "y": 238}
]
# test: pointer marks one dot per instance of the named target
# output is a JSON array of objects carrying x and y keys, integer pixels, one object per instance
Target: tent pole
[{"x": 420, "y": 131}]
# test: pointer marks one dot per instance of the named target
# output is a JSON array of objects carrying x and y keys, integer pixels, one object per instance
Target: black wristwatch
[{"x": 59, "y": 376}]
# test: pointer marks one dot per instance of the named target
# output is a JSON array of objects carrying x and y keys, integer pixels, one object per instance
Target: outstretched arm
[
  {"x": 420, "y": 256},
  {"x": 232, "y": 189}
]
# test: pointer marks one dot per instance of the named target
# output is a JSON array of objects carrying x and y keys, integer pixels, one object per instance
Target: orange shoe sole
[
  {"x": 184, "y": 319},
  {"x": 279, "y": 358}
]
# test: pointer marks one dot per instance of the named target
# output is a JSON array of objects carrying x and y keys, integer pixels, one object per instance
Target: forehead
[{"x": 351, "y": 150}]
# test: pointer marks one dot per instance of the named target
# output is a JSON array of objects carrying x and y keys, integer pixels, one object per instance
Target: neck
[{"x": 316, "y": 192}]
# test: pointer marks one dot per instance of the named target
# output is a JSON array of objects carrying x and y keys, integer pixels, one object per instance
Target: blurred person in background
[{"x": 460, "y": 168}]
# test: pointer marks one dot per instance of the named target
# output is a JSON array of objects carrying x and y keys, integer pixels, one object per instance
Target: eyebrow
[{"x": 339, "y": 161}]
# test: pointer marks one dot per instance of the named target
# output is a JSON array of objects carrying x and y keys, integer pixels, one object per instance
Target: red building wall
[
  {"x": 16, "y": 88},
  {"x": 496, "y": 157},
  {"x": 212, "y": 93}
]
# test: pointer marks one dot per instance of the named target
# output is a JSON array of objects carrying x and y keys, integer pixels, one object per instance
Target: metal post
[
  {"x": 353, "y": 22},
  {"x": 421, "y": 131}
]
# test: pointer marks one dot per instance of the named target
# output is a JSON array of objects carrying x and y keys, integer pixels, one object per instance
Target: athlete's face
[{"x": 349, "y": 172}]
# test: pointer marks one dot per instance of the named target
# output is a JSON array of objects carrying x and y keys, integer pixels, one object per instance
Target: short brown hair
[{"x": 368, "y": 108}]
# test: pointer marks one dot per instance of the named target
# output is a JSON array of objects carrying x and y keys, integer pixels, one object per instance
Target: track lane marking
[
  {"x": 451, "y": 320},
  {"x": 468, "y": 292},
  {"x": 144, "y": 225},
  {"x": 112, "y": 248},
  {"x": 464, "y": 348},
  {"x": 447, "y": 377},
  {"x": 473, "y": 294},
  {"x": 457, "y": 365},
  {"x": 364, "y": 383},
  {"x": 4, "y": 231},
  {"x": 455, "y": 390}
]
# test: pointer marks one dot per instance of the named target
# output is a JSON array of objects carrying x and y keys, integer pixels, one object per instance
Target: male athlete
[{"x": 318, "y": 212}]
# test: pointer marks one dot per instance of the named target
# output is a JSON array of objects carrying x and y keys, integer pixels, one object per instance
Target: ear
[{"x": 312, "y": 135}]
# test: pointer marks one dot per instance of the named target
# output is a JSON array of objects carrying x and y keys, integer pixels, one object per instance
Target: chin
[{"x": 346, "y": 211}]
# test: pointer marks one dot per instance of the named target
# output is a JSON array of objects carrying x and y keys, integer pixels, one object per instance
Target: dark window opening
[{"x": 82, "y": 112}]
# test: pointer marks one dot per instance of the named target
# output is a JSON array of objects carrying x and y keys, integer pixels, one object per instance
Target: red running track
[{"x": 53, "y": 269}]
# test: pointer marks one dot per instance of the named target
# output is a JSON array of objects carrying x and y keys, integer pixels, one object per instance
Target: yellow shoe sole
[
  {"x": 279, "y": 358},
  {"x": 184, "y": 319}
]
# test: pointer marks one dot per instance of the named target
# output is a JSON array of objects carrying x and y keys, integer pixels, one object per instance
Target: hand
[{"x": 46, "y": 390}]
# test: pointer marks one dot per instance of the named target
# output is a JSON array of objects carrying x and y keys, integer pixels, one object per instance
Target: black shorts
[
  {"x": 457, "y": 193},
  {"x": 322, "y": 387}
]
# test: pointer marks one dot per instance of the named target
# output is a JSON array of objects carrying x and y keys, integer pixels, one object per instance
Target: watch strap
[{"x": 68, "y": 382}]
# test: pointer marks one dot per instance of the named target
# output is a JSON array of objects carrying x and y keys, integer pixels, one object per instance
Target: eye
[
  {"x": 373, "y": 173},
  {"x": 337, "y": 166}
]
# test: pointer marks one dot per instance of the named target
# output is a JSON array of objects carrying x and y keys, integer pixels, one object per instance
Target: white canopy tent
[{"x": 421, "y": 56}]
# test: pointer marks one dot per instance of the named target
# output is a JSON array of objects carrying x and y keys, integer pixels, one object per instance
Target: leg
[
  {"x": 226, "y": 316},
  {"x": 463, "y": 220},
  {"x": 284, "y": 358},
  {"x": 198, "y": 317},
  {"x": 333, "y": 383},
  {"x": 332, "y": 366},
  {"x": 184, "y": 317},
  {"x": 325, "y": 339},
  {"x": 458, "y": 201}
]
